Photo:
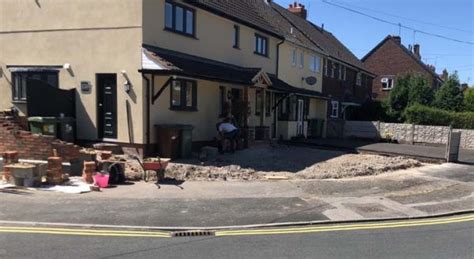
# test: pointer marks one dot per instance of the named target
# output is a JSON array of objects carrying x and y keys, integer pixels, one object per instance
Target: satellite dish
[{"x": 311, "y": 80}]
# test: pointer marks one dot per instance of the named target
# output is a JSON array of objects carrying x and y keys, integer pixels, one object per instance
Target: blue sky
[{"x": 450, "y": 18}]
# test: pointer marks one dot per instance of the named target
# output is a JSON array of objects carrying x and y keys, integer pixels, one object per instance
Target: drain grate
[{"x": 192, "y": 233}]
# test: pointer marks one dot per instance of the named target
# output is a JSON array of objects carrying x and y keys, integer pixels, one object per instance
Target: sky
[{"x": 447, "y": 18}]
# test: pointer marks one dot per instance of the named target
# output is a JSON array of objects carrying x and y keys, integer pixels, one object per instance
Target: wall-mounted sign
[
  {"x": 86, "y": 86},
  {"x": 311, "y": 80}
]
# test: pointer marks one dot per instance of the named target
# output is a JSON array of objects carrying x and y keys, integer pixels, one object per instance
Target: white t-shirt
[{"x": 226, "y": 127}]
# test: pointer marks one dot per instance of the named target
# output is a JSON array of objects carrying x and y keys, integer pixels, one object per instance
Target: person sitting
[{"x": 229, "y": 131}]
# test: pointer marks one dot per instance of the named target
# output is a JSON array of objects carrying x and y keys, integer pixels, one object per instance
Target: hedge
[{"x": 424, "y": 115}]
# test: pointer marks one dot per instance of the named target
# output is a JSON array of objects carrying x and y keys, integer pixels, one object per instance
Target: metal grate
[{"x": 193, "y": 233}]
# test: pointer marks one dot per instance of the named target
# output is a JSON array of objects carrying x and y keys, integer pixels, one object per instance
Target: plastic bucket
[{"x": 102, "y": 180}]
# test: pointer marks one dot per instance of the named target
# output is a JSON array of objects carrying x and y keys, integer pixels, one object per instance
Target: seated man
[{"x": 227, "y": 130}]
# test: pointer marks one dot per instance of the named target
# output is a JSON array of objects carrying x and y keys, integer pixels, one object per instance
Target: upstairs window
[
  {"x": 302, "y": 59},
  {"x": 293, "y": 57},
  {"x": 179, "y": 18},
  {"x": 261, "y": 45},
  {"x": 183, "y": 95},
  {"x": 359, "y": 79},
  {"x": 315, "y": 64},
  {"x": 387, "y": 82},
  {"x": 236, "y": 37},
  {"x": 342, "y": 72}
]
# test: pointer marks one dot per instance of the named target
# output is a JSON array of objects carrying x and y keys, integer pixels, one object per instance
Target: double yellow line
[
  {"x": 242, "y": 232},
  {"x": 83, "y": 232},
  {"x": 346, "y": 227}
]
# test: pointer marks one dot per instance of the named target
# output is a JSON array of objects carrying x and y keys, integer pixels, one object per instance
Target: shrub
[{"x": 419, "y": 114}]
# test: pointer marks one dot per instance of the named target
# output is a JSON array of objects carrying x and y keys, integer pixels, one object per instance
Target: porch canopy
[{"x": 161, "y": 61}]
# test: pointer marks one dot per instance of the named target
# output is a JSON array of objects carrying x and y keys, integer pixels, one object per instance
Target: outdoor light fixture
[{"x": 126, "y": 85}]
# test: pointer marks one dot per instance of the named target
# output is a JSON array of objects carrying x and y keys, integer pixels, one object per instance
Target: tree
[
  {"x": 449, "y": 96},
  {"x": 469, "y": 100},
  {"x": 410, "y": 89}
]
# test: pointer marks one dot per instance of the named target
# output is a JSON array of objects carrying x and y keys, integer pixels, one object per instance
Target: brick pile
[
  {"x": 9, "y": 158},
  {"x": 54, "y": 172},
  {"x": 89, "y": 171}
]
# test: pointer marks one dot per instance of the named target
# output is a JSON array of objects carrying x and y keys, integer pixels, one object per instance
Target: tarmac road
[{"x": 429, "y": 238}]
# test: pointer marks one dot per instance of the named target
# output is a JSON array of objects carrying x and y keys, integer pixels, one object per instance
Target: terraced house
[{"x": 120, "y": 67}]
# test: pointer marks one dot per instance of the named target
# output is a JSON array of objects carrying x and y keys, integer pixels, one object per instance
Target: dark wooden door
[{"x": 107, "y": 105}]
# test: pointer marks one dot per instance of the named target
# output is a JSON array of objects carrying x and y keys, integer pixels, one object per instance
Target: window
[
  {"x": 342, "y": 72},
  {"x": 315, "y": 64},
  {"x": 258, "y": 102},
  {"x": 334, "y": 109},
  {"x": 236, "y": 36},
  {"x": 183, "y": 95},
  {"x": 268, "y": 104},
  {"x": 326, "y": 73},
  {"x": 387, "y": 83},
  {"x": 336, "y": 70},
  {"x": 293, "y": 57},
  {"x": 20, "y": 82},
  {"x": 301, "y": 59},
  {"x": 261, "y": 45},
  {"x": 359, "y": 79},
  {"x": 179, "y": 18}
]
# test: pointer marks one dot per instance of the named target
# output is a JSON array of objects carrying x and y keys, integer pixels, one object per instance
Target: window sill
[
  {"x": 184, "y": 109},
  {"x": 192, "y": 36},
  {"x": 19, "y": 102},
  {"x": 261, "y": 55},
  {"x": 386, "y": 89},
  {"x": 236, "y": 47}
]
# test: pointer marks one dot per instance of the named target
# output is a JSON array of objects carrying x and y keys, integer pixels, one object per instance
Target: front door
[
  {"x": 300, "y": 117},
  {"x": 107, "y": 105}
]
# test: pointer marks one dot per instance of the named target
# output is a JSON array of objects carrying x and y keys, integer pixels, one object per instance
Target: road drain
[{"x": 193, "y": 233}]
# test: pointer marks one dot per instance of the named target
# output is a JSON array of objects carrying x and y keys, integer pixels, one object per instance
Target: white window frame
[
  {"x": 387, "y": 83},
  {"x": 315, "y": 64},
  {"x": 302, "y": 59},
  {"x": 334, "y": 109},
  {"x": 359, "y": 79},
  {"x": 294, "y": 58}
]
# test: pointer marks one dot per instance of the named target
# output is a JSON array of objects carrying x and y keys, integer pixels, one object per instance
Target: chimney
[
  {"x": 416, "y": 51},
  {"x": 298, "y": 9},
  {"x": 445, "y": 75},
  {"x": 397, "y": 39}
]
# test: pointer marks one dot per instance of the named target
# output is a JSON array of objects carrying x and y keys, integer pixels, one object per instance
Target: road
[{"x": 433, "y": 238}]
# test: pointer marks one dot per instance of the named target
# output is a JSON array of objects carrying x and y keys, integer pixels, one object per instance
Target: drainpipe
[
  {"x": 278, "y": 58},
  {"x": 147, "y": 99}
]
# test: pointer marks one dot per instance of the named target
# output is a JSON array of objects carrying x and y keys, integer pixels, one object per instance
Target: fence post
[
  {"x": 378, "y": 131},
  {"x": 453, "y": 145},
  {"x": 412, "y": 136}
]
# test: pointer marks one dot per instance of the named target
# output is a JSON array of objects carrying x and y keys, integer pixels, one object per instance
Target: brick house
[{"x": 389, "y": 59}]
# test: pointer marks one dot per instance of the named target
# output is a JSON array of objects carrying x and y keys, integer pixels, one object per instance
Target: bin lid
[
  {"x": 175, "y": 126},
  {"x": 41, "y": 119}
]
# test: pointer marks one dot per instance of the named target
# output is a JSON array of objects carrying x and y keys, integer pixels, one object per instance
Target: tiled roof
[
  {"x": 178, "y": 63},
  {"x": 243, "y": 11}
]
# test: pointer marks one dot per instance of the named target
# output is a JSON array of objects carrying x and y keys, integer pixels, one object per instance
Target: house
[
  {"x": 389, "y": 59},
  {"x": 345, "y": 78},
  {"x": 131, "y": 65}
]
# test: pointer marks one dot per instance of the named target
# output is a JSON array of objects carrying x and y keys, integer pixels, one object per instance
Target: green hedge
[{"x": 419, "y": 114}]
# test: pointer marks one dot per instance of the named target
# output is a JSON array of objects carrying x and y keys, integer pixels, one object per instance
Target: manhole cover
[{"x": 192, "y": 233}]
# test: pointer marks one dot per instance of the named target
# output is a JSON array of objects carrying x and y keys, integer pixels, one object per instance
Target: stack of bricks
[
  {"x": 54, "y": 172},
  {"x": 9, "y": 157},
  {"x": 89, "y": 171}
]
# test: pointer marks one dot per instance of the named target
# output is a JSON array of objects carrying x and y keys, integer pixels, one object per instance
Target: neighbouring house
[
  {"x": 389, "y": 59},
  {"x": 121, "y": 67}
]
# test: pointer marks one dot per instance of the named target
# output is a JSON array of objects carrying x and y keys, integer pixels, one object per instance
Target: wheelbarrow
[{"x": 154, "y": 164}]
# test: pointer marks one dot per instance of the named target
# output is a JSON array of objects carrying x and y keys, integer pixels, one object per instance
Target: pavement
[
  {"x": 418, "y": 192},
  {"x": 437, "y": 238},
  {"x": 426, "y": 152}
]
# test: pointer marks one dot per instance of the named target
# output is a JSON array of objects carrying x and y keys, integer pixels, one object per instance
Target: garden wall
[{"x": 406, "y": 133}]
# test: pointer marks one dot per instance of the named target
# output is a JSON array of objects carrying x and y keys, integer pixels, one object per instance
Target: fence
[{"x": 406, "y": 133}]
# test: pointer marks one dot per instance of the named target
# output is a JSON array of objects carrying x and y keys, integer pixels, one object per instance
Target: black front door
[{"x": 107, "y": 105}]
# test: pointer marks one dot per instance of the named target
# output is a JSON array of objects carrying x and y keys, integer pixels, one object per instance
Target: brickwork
[
  {"x": 32, "y": 146},
  {"x": 392, "y": 59}
]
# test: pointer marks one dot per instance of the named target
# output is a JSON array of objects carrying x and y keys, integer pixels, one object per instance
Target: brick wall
[
  {"x": 33, "y": 146},
  {"x": 391, "y": 59}
]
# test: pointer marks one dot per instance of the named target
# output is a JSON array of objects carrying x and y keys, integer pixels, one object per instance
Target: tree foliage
[
  {"x": 449, "y": 96},
  {"x": 469, "y": 100}
]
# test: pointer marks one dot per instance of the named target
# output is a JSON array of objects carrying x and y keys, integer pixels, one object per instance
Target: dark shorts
[{"x": 231, "y": 135}]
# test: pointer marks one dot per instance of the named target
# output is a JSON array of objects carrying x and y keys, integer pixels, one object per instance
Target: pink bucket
[{"x": 102, "y": 180}]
